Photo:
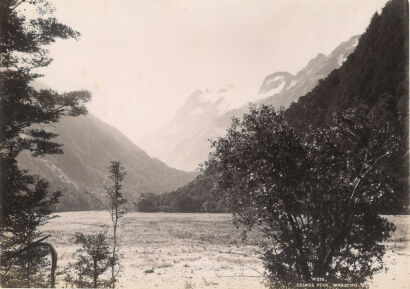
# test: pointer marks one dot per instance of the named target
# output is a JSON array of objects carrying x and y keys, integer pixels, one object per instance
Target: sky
[{"x": 141, "y": 59}]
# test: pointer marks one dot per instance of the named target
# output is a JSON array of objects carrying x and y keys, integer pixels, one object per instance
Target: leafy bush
[
  {"x": 93, "y": 260},
  {"x": 315, "y": 195}
]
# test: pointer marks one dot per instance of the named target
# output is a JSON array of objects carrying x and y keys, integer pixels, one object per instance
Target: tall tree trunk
[{"x": 114, "y": 256}]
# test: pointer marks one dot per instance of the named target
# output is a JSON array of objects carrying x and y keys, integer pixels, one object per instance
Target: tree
[
  {"x": 93, "y": 260},
  {"x": 23, "y": 263},
  {"x": 186, "y": 204},
  {"x": 315, "y": 195},
  {"x": 146, "y": 203},
  {"x": 116, "y": 212},
  {"x": 113, "y": 204},
  {"x": 25, "y": 114}
]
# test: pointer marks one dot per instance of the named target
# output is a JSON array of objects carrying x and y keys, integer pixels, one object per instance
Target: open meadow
[{"x": 172, "y": 250}]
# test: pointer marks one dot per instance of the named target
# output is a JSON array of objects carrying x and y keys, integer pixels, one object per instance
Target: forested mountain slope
[
  {"x": 89, "y": 145},
  {"x": 375, "y": 75}
]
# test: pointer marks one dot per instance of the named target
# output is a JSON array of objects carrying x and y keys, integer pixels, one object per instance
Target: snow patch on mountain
[
  {"x": 341, "y": 59},
  {"x": 214, "y": 101},
  {"x": 344, "y": 50},
  {"x": 291, "y": 84},
  {"x": 278, "y": 89},
  {"x": 274, "y": 84}
]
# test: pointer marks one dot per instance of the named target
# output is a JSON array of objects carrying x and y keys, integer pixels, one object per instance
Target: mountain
[
  {"x": 282, "y": 88},
  {"x": 89, "y": 146},
  {"x": 376, "y": 74},
  {"x": 183, "y": 142}
]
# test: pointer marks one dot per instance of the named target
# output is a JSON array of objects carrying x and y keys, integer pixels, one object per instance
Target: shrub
[{"x": 315, "y": 195}]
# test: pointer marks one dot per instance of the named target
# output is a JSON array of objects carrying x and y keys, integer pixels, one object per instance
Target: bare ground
[{"x": 199, "y": 250}]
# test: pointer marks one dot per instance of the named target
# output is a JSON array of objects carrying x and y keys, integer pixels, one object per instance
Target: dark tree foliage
[
  {"x": 186, "y": 204},
  {"x": 376, "y": 75},
  {"x": 25, "y": 113},
  {"x": 313, "y": 194},
  {"x": 147, "y": 203},
  {"x": 22, "y": 264},
  {"x": 193, "y": 197},
  {"x": 93, "y": 259}
]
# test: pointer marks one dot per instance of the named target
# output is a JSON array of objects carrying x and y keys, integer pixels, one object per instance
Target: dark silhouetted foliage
[
  {"x": 193, "y": 197},
  {"x": 93, "y": 259},
  {"x": 314, "y": 194},
  {"x": 25, "y": 114},
  {"x": 376, "y": 75}
]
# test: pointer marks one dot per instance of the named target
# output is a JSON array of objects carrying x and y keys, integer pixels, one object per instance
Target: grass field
[{"x": 199, "y": 250}]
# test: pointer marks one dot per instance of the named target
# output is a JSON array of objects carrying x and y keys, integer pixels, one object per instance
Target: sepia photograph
[{"x": 190, "y": 144}]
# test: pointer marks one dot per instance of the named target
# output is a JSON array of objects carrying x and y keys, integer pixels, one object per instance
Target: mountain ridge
[
  {"x": 183, "y": 142},
  {"x": 89, "y": 145}
]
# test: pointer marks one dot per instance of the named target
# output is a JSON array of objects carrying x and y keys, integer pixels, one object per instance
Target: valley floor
[{"x": 198, "y": 250}]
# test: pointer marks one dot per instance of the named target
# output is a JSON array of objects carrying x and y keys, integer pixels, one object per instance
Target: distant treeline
[{"x": 194, "y": 197}]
